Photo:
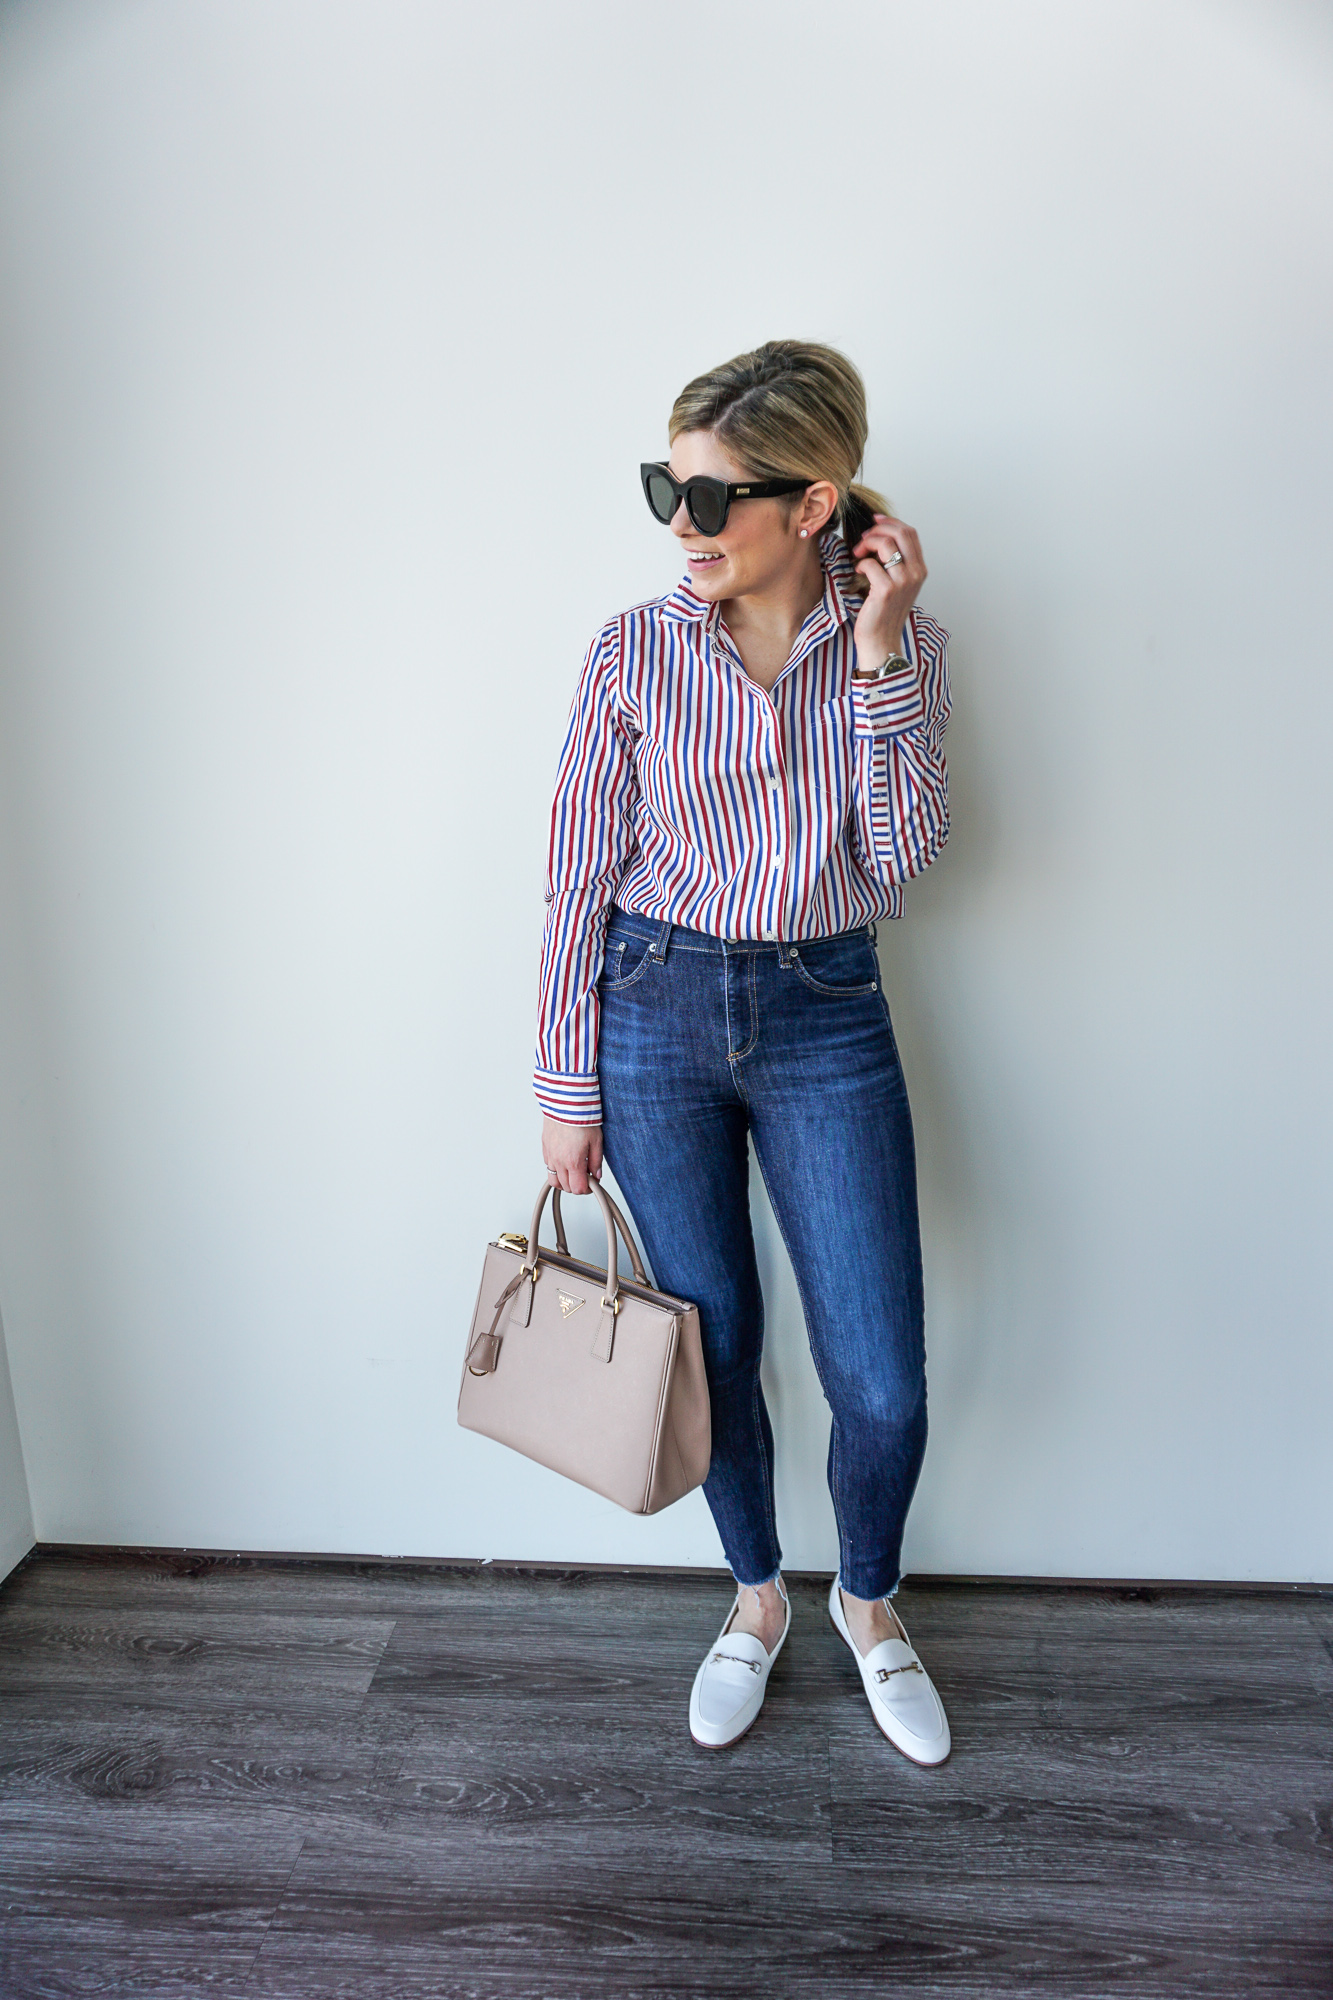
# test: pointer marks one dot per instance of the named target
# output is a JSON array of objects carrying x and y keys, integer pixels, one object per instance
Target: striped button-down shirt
[{"x": 685, "y": 791}]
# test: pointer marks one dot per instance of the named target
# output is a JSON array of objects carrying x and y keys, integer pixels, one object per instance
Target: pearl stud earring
[{"x": 804, "y": 533}]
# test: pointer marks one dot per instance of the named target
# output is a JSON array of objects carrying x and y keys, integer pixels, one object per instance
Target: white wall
[
  {"x": 334, "y": 334},
  {"x": 25, "y": 1125},
  {"x": 16, "y": 1533}
]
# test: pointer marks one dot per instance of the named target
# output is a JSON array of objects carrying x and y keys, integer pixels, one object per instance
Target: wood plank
[
  {"x": 359, "y": 1589},
  {"x": 556, "y": 1793},
  {"x": 166, "y": 1968},
  {"x": 452, "y": 1919},
  {"x": 185, "y": 1658},
  {"x": 304, "y": 1765},
  {"x": 1262, "y": 1838},
  {"x": 79, "y": 1889},
  {"x": 546, "y": 1787}
]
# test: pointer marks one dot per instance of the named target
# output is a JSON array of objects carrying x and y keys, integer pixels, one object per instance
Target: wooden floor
[{"x": 291, "y": 1779}]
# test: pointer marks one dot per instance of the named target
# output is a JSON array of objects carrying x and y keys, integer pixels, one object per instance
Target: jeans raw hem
[
  {"x": 771, "y": 1578},
  {"x": 869, "y": 1596}
]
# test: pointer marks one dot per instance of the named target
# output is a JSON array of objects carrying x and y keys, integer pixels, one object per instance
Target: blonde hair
[{"x": 792, "y": 409}]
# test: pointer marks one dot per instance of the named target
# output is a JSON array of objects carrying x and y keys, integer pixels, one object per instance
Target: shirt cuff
[
  {"x": 571, "y": 1096},
  {"x": 889, "y": 705}
]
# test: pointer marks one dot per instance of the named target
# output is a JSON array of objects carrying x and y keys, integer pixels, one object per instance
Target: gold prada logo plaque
[{"x": 569, "y": 1305}]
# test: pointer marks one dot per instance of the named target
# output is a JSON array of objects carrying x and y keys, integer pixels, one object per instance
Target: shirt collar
[{"x": 840, "y": 605}]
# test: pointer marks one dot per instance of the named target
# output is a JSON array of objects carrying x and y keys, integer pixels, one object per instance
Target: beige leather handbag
[{"x": 601, "y": 1380}]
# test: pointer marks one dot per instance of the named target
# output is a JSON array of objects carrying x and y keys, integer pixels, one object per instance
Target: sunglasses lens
[
  {"x": 708, "y": 507},
  {"x": 661, "y": 496}
]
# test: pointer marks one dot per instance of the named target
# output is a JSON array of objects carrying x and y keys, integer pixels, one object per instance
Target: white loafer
[
  {"x": 729, "y": 1687},
  {"x": 901, "y": 1694}
]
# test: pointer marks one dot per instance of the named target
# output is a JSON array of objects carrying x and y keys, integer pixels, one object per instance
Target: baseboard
[{"x": 187, "y": 1560}]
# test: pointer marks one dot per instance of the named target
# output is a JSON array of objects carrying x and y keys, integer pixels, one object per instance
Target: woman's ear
[{"x": 818, "y": 504}]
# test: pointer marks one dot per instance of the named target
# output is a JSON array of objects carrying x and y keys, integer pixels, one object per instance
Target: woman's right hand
[{"x": 573, "y": 1154}]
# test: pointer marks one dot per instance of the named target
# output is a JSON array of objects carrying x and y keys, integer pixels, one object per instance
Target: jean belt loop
[
  {"x": 659, "y": 949},
  {"x": 784, "y": 957}
]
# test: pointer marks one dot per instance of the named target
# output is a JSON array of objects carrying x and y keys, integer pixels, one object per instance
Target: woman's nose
[{"x": 681, "y": 524}]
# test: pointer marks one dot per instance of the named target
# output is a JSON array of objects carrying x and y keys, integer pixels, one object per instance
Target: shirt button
[{"x": 770, "y": 934}]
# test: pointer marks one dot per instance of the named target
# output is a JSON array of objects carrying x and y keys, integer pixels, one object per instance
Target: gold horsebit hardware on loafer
[
  {"x": 910, "y": 1667},
  {"x": 753, "y": 1665}
]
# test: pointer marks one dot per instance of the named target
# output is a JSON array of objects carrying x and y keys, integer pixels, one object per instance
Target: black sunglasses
[{"x": 707, "y": 501}]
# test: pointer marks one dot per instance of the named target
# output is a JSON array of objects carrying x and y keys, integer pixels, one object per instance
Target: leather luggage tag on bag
[{"x": 568, "y": 1305}]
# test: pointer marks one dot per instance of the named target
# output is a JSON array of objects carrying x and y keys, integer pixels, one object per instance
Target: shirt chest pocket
[{"x": 831, "y": 763}]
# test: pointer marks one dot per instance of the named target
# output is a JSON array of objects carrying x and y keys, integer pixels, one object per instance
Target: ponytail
[{"x": 857, "y": 513}]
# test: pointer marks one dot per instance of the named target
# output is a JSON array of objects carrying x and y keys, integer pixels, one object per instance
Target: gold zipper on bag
[{"x": 509, "y": 1239}]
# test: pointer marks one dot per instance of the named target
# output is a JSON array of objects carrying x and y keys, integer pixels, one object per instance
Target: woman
[{"x": 752, "y": 769}]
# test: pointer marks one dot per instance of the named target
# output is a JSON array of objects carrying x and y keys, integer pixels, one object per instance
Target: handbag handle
[
  {"x": 627, "y": 1235},
  {"x": 613, "y": 1217},
  {"x": 488, "y": 1343}
]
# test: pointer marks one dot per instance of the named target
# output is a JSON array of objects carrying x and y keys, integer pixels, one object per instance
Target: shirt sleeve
[
  {"x": 591, "y": 840},
  {"x": 900, "y": 790}
]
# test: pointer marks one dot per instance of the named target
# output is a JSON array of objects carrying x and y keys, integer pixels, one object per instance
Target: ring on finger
[{"x": 889, "y": 561}]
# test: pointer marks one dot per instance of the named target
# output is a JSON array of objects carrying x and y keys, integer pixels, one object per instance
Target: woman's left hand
[{"x": 891, "y": 562}]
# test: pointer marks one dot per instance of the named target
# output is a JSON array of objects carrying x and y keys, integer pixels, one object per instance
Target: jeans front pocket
[
  {"x": 627, "y": 959},
  {"x": 843, "y": 968}
]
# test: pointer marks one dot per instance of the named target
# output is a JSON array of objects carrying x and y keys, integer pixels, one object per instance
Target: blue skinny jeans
[{"x": 704, "y": 1042}]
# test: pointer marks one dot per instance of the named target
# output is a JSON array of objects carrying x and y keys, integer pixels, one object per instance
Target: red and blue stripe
[{"x": 687, "y": 792}]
